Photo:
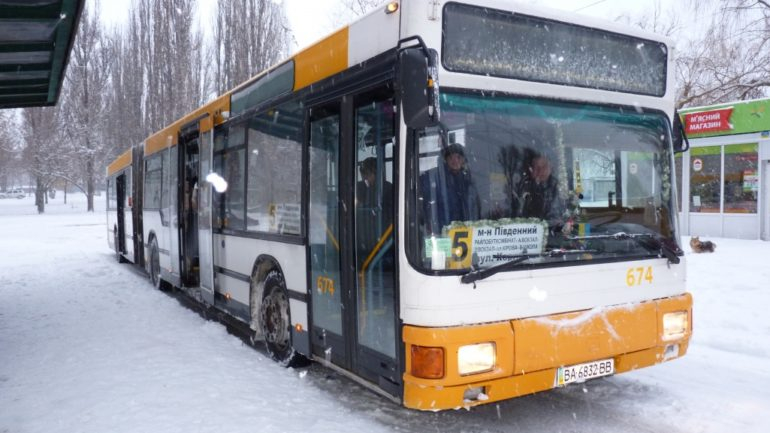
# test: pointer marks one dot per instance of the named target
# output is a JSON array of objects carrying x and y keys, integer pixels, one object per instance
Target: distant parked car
[{"x": 13, "y": 193}]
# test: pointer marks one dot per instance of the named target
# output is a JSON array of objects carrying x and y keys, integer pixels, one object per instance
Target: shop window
[
  {"x": 741, "y": 178},
  {"x": 705, "y": 181}
]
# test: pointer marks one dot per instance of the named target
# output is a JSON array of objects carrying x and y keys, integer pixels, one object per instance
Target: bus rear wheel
[
  {"x": 275, "y": 323},
  {"x": 154, "y": 264}
]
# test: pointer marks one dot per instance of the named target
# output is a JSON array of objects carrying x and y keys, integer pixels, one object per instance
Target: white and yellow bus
[{"x": 452, "y": 203}]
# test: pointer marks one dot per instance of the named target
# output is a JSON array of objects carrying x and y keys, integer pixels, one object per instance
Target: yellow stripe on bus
[
  {"x": 169, "y": 135},
  {"x": 121, "y": 162},
  {"x": 156, "y": 143},
  {"x": 324, "y": 59}
]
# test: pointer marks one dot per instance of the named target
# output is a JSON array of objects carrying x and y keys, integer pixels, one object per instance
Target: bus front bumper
[{"x": 529, "y": 352}]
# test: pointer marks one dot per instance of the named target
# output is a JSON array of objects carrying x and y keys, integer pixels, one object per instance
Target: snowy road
[{"x": 86, "y": 345}]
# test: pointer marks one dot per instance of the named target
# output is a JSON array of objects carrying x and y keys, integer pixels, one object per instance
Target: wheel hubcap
[{"x": 276, "y": 320}]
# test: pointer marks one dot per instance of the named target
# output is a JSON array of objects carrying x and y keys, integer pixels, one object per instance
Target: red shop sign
[{"x": 708, "y": 121}]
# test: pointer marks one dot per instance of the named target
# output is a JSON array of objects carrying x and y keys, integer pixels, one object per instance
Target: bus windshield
[{"x": 504, "y": 177}]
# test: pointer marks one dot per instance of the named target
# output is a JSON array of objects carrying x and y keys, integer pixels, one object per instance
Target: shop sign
[
  {"x": 736, "y": 118},
  {"x": 709, "y": 121}
]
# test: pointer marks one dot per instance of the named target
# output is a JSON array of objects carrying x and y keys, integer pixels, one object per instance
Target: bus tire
[
  {"x": 275, "y": 322},
  {"x": 154, "y": 263}
]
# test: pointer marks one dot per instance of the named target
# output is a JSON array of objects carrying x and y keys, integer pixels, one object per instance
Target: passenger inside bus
[
  {"x": 453, "y": 193},
  {"x": 374, "y": 202},
  {"x": 366, "y": 190},
  {"x": 538, "y": 191}
]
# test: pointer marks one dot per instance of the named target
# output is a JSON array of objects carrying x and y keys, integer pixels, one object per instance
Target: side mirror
[
  {"x": 679, "y": 137},
  {"x": 418, "y": 84}
]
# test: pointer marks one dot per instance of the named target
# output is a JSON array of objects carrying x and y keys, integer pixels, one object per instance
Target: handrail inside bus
[
  {"x": 373, "y": 254},
  {"x": 331, "y": 235}
]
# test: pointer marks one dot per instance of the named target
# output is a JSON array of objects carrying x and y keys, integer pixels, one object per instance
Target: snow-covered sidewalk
[{"x": 87, "y": 345}]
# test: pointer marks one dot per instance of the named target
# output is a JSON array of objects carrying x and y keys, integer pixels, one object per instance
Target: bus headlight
[
  {"x": 476, "y": 358},
  {"x": 675, "y": 325}
]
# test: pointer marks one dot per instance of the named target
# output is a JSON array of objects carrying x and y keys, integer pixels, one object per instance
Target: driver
[
  {"x": 538, "y": 192},
  {"x": 448, "y": 191}
]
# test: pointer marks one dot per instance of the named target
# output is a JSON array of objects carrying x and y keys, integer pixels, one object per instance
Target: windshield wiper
[
  {"x": 647, "y": 241},
  {"x": 480, "y": 274},
  {"x": 513, "y": 261}
]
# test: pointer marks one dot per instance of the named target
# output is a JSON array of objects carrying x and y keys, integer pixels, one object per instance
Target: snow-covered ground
[{"x": 86, "y": 345}]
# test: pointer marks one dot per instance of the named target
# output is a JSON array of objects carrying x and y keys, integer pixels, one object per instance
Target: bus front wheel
[{"x": 275, "y": 323}]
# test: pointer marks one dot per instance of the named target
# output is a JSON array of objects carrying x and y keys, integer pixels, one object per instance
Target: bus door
[
  {"x": 188, "y": 190},
  {"x": 120, "y": 190},
  {"x": 127, "y": 236},
  {"x": 351, "y": 237},
  {"x": 374, "y": 239},
  {"x": 202, "y": 193},
  {"x": 325, "y": 238},
  {"x": 174, "y": 213}
]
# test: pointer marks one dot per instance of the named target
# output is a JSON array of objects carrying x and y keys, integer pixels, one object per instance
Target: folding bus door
[
  {"x": 351, "y": 236},
  {"x": 325, "y": 237},
  {"x": 376, "y": 327},
  {"x": 202, "y": 191}
]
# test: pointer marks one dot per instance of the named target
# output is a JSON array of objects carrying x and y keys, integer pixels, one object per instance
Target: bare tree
[
  {"x": 665, "y": 22},
  {"x": 42, "y": 153},
  {"x": 125, "y": 121},
  {"x": 732, "y": 60},
  {"x": 362, "y": 7},
  {"x": 8, "y": 150},
  {"x": 159, "y": 66},
  {"x": 348, "y": 10},
  {"x": 249, "y": 37},
  {"x": 83, "y": 107},
  {"x": 727, "y": 59}
]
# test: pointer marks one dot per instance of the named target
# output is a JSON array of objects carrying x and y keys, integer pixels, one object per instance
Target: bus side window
[
  {"x": 274, "y": 186},
  {"x": 152, "y": 182},
  {"x": 234, "y": 195}
]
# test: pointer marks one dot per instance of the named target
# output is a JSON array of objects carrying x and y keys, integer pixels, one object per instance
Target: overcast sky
[{"x": 312, "y": 19}]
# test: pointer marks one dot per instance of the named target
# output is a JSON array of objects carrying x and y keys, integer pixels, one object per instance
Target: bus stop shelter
[
  {"x": 36, "y": 37},
  {"x": 724, "y": 179}
]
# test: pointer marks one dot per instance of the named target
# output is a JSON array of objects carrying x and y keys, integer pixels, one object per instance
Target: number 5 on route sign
[{"x": 462, "y": 242}]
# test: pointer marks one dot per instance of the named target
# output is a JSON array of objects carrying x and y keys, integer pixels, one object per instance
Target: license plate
[{"x": 582, "y": 372}]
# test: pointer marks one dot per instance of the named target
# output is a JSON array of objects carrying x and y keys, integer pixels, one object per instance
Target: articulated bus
[{"x": 452, "y": 203}]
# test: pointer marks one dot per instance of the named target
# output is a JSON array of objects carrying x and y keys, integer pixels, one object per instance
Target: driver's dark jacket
[
  {"x": 447, "y": 197},
  {"x": 539, "y": 200}
]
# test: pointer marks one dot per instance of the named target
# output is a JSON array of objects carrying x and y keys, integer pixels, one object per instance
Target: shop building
[{"x": 724, "y": 179}]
